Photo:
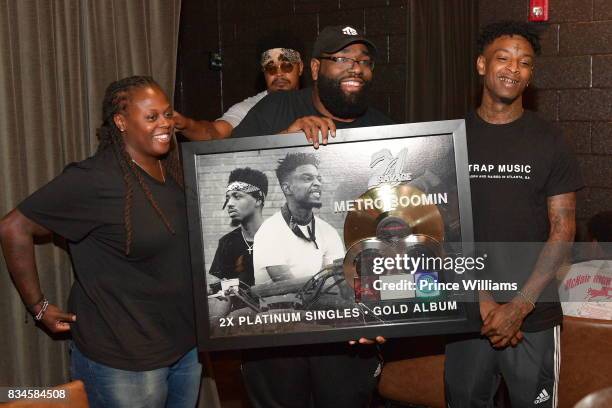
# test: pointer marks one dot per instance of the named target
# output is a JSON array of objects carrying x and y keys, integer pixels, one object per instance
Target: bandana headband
[
  {"x": 280, "y": 54},
  {"x": 244, "y": 188}
]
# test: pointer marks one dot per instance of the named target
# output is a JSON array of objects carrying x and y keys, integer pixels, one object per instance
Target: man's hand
[
  {"x": 56, "y": 320},
  {"x": 486, "y": 306},
  {"x": 180, "y": 122},
  {"x": 502, "y": 323},
  {"x": 312, "y": 126},
  {"x": 363, "y": 340}
]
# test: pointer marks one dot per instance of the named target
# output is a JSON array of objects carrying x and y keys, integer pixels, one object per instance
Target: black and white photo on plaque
[{"x": 292, "y": 245}]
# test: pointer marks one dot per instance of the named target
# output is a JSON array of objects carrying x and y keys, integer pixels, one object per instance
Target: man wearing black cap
[
  {"x": 326, "y": 375},
  {"x": 342, "y": 70},
  {"x": 244, "y": 199},
  {"x": 281, "y": 66}
]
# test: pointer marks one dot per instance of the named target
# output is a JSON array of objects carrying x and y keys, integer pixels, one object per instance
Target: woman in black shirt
[{"x": 122, "y": 212}]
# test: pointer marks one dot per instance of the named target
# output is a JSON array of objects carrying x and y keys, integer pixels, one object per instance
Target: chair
[
  {"x": 414, "y": 371},
  {"x": 599, "y": 399},
  {"x": 76, "y": 398},
  {"x": 586, "y": 358},
  {"x": 586, "y": 366}
]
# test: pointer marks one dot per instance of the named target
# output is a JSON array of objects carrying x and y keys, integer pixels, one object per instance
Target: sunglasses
[{"x": 285, "y": 67}]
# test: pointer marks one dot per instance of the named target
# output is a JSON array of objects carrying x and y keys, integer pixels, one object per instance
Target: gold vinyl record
[{"x": 393, "y": 210}]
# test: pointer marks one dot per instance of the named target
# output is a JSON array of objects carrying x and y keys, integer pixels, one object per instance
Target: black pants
[
  {"x": 530, "y": 371},
  {"x": 321, "y": 376}
]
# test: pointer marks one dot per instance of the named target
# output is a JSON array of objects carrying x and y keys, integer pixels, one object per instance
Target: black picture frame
[{"x": 453, "y": 131}]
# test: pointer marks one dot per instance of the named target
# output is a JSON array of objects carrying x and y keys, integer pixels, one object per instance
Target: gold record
[{"x": 377, "y": 204}]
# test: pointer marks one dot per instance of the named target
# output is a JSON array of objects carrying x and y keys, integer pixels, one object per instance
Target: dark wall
[
  {"x": 573, "y": 85},
  {"x": 234, "y": 26}
]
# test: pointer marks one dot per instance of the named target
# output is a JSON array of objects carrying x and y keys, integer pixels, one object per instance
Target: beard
[
  {"x": 235, "y": 222},
  {"x": 308, "y": 205},
  {"x": 506, "y": 100},
  {"x": 340, "y": 104}
]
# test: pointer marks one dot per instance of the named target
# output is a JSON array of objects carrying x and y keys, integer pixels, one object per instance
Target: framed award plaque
[{"x": 369, "y": 235}]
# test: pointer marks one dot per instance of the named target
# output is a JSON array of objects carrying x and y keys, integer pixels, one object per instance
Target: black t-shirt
[
  {"x": 133, "y": 312},
  {"x": 232, "y": 258},
  {"x": 271, "y": 115},
  {"x": 514, "y": 168},
  {"x": 278, "y": 110}
]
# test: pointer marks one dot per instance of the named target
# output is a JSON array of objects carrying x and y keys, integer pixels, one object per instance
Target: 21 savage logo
[{"x": 508, "y": 171}]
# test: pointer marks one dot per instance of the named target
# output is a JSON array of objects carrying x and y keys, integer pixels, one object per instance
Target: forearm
[
  {"x": 200, "y": 130},
  {"x": 18, "y": 250},
  {"x": 551, "y": 258},
  {"x": 485, "y": 295},
  {"x": 562, "y": 212},
  {"x": 279, "y": 272}
]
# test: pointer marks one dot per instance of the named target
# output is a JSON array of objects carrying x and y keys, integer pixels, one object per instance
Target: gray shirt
[{"x": 237, "y": 112}]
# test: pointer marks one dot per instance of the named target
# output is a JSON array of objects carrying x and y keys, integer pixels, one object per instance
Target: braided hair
[{"x": 116, "y": 99}]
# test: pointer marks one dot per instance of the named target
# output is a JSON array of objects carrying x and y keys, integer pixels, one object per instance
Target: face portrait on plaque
[{"x": 292, "y": 245}]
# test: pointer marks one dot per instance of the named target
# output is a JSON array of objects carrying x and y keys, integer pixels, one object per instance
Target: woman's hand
[{"x": 56, "y": 320}]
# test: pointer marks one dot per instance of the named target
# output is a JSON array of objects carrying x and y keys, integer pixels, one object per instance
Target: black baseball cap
[{"x": 334, "y": 38}]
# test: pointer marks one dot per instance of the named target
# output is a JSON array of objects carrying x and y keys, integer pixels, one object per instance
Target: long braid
[
  {"x": 172, "y": 163},
  {"x": 116, "y": 99},
  {"x": 146, "y": 189}
]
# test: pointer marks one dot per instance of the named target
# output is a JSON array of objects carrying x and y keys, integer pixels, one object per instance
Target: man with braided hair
[
  {"x": 122, "y": 212},
  {"x": 244, "y": 199}
]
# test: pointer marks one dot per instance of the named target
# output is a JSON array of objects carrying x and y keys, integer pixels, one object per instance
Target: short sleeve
[
  {"x": 334, "y": 246},
  {"x": 236, "y": 113},
  {"x": 216, "y": 266},
  {"x": 564, "y": 176},
  {"x": 266, "y": 250},
  {"x": 254, "y": 124},
  {"x": 68, "y": 205}
]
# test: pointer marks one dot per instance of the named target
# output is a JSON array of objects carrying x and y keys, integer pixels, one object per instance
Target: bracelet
[
  {"x": 43, "y": 309},
  {"x": 526, "y": 298}
]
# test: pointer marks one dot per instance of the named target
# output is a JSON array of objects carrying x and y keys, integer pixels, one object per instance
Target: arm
[
  {"x": 257, "y": 122},
  {"x": 279, "y": 272},
  {"x": 504, "y": 322},
  {"x": 202, "y": 129},
  {"x": 17, "y": 234}
]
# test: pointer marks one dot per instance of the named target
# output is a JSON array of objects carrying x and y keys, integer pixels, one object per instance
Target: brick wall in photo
[{"x": 213, "y": 174}]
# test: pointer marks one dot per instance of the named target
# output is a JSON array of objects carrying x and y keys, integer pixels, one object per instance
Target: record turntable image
[{"x": 396, "y": 223}]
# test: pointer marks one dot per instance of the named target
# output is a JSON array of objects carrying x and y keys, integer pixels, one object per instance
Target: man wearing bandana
[
  {"x": 309, "y": 243},
  {"x": 281, "y": 65},
  {"x": 244, "y": 200},
  {"x": 342, "y": 68},
  {"x": 333, "y": 375}
]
